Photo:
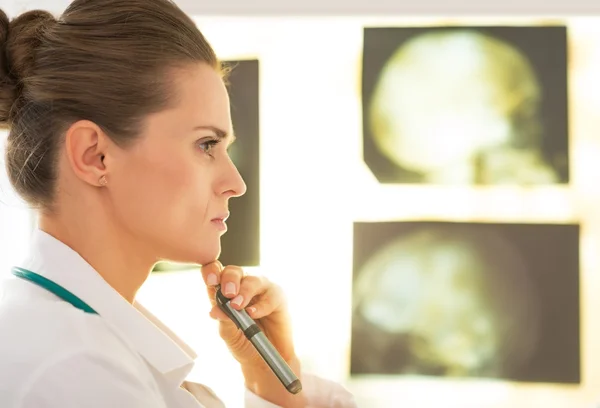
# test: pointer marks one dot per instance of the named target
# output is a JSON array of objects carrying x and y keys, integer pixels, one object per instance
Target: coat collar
[{"x": 155, "y": 342}]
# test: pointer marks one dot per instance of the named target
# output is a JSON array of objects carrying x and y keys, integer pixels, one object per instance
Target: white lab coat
[{"x": 53, "y": 355}]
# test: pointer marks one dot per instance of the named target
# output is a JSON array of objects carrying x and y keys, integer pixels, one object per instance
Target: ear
[{"x": 86, "y": 145}]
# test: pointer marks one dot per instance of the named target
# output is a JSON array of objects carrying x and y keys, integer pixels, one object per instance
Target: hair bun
[
  {"x": 7, "y": 86},
  {"x": 24, "y": 37},
  {"x": 19, "y": 39}
]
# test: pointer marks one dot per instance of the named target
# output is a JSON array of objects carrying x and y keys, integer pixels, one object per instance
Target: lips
[
  {"x": 219, "y": 222},
  {"x": 221, "y": 217}
]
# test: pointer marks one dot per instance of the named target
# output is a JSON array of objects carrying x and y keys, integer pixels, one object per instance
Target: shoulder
[
  {"x": 37, "y": 327},
  {"x": 49, "y": 347},
  {"x": 85, "y": 378}
]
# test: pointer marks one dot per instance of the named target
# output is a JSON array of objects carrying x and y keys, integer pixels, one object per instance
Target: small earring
[{"x": 102, "y": 181}]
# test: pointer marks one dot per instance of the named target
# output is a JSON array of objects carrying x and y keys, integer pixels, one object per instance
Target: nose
[{"x": 233, "y": 185}]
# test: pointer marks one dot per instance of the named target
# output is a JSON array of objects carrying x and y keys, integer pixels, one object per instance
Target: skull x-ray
[
  {"x": 466, "y": 300},
  {"x": 464, "y": 105}
]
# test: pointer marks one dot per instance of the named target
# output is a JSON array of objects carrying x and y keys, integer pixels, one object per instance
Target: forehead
[{"x": 201, "y": 98}]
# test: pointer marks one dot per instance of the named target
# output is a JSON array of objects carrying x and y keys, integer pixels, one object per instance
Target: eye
[{"x": 207, "y": 145}]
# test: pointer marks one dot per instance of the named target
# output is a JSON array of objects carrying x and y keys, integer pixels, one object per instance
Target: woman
[{"x": 119, "y": 127}]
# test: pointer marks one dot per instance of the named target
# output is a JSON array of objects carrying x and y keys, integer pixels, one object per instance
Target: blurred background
[{"x": 425, "y": 189}]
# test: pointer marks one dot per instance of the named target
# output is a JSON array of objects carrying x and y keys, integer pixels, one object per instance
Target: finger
[
  {"x": 211, "y": 273},
  {"x": 231, "y": 277},
  {"x": 251, "y": 287},
  {"x": 218, "y": 314},
  {"x": 270, "y": 301},
  {"x": 227, "y": 328}
]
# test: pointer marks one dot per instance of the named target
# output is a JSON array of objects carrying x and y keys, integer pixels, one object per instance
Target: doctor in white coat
[{"x": 119, "y": 126}]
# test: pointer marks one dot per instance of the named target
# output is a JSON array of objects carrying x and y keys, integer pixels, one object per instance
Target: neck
[{"x": 113, "y": 253}]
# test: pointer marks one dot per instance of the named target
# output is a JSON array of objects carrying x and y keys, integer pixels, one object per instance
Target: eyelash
[{"x": 207, "y": 145}]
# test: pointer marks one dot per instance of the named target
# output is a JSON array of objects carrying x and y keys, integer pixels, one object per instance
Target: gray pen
[{"x": 260, "y": 342}]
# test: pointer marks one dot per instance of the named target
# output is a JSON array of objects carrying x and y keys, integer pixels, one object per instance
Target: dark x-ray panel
[
  {"x": 466, "y": 105},
  {"x": 241, "y": 243},
  {"x": 466, "y": 300}
]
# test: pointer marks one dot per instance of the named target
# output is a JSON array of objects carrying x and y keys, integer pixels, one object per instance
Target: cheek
[{"x": 163, "y": 192}]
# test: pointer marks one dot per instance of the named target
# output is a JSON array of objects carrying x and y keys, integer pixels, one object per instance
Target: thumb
[{"x": 227, "y": 328}]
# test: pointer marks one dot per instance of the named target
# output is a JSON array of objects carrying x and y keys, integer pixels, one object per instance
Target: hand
[{"x": 265, "y": 303}]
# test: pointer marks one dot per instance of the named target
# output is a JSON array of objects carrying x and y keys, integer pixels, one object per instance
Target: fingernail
[
  {"x": 237, "y": 300},
  {"x": 230, "y": 289},
  {"x": 252, "y": 310},
  {"x": 212, "y": 280}
]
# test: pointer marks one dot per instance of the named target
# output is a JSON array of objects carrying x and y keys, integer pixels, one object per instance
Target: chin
[
  {"x": 195, "y": 251},
  {"x": 207, "y": 255}
]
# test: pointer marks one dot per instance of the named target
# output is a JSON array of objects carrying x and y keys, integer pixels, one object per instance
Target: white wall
[{"x": 15, "y": 220}]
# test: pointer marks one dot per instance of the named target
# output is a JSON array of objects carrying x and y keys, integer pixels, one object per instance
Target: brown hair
[{"x": 107, "y": 61}]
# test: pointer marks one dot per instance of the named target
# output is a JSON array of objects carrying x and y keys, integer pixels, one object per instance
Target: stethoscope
[{"x": 52, "y": 287}]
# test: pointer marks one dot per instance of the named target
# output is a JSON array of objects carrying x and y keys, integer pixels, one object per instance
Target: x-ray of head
[
  {"x": 459, "y": 106},
  {"x": 457, "y": 302},
  {"x": 438, "y": 291}
]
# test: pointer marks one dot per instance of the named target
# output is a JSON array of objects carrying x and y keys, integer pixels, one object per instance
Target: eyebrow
[{"x": 220, "y": 133}]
